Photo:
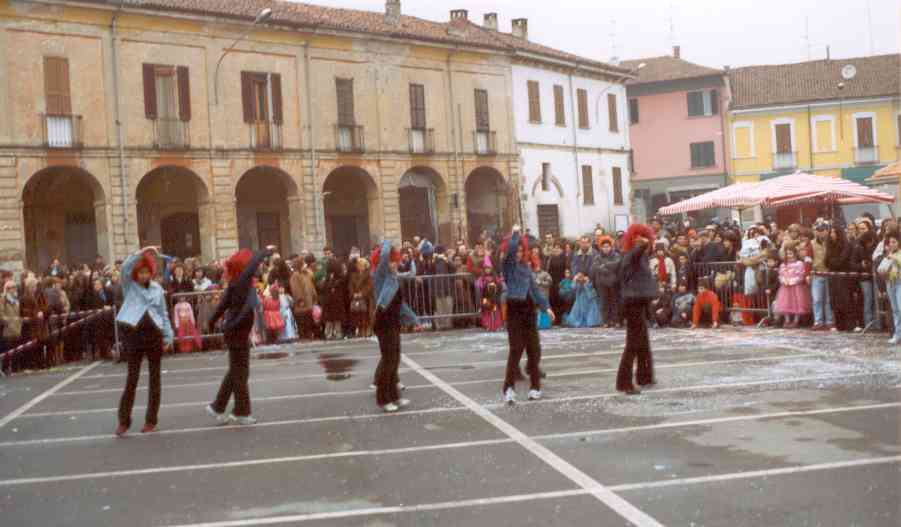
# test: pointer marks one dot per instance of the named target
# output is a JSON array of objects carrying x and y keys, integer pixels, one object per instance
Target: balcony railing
[
  {"x": 866, "y": 155},
  {"x": 349, "y": 138},
  {"x": 485, "y": 142},
  {"x": 422, "y": 141},
  {"x": 785, "y": 160},
  {"x": 62, "y": 131},
  {"x": 171, "y": 133},
  {"x": 265, "y": 135}
]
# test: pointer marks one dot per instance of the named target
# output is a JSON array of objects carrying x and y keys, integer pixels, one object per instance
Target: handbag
[{"x": 359, "y": 305}]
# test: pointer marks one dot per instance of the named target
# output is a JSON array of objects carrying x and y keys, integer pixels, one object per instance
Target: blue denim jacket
[
  {"x": 519, "y": 279},
  {"x": 387, "y": 285},
  {"x": 140, "y": 300}
]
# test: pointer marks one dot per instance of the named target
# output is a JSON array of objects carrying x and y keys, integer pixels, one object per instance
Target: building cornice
[{"x": 819, "y": 104}]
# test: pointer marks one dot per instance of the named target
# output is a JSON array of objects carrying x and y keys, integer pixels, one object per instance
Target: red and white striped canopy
[{"x": 791, "y": 189}]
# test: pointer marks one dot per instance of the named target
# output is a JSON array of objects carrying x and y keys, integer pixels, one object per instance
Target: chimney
[
  {"x": 392, "y": 12},
  {"x": 521, "y": 28},
  {"x": 677, "y": 52},
  {"x": 490, "y": 21},
  {"x": 459, "y": 14}
]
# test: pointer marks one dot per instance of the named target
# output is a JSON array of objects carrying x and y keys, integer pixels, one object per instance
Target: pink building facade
[{"x": 677, "y": 133}]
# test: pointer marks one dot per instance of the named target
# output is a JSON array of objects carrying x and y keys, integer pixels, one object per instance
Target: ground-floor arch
[
  {"x": 173, "y": 212},
  {"x": 352, "y": 209},
  {"x": 268, "y": 210},
  {"x": 424, "y": 210},
  {"x": 487, "y": 202},
  {"x": 64, "y": 210}
]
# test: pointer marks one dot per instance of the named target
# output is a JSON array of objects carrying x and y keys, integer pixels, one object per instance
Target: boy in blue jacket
[{"x": 523, "y": 296}]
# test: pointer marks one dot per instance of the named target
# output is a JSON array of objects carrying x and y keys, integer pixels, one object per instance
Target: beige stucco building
[{"x": 142, "y": 123}]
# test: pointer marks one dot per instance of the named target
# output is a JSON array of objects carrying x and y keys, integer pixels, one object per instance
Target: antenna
[
  {"x": 806, "y": 36},
  {"x": 870, "y": 26},
  {"x": 672, "y": 24},
  {"x": 613, "y": 49}
]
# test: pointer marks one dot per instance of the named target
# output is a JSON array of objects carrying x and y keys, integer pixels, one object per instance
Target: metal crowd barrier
[
  {"x": 728, "y": 280},
  {"x": 442, "y": 299},
  {"x": 193, "y": 332},
  {"x": 882, "y": 309}
]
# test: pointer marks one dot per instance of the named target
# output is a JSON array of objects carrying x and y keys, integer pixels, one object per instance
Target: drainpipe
[
  {"x": 123, "y": 174},
  {"x": 575, "y": 128},
  {"x": 453, "y": 137},
  {"x": 810, "y": 139},
  {"x": 317, "y": 195}
]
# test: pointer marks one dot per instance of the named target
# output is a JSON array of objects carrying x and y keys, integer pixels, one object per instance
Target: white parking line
[
  {"x": 429, "y": 386},
  {"x": 30, "y": 404},
  {"x": 460, "y": 383},
  {"x": 757, "y": 473},
  {"x": 374, "y": 511},
  {"x": 599, "y": 491}
]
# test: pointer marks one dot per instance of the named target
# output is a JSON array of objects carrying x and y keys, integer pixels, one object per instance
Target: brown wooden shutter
[
  {"x": 865, "y": 132},
  {"x": 276, "y": 86},
  {"x": 611, "y": 112},
  {"x": 587, "y": 185},
  {"x": 783, "y": 139},
  {"x": 56, "y": 86},
  {"x": 247, "y": 96},
  {"x": 559, "y": 107},
  {"x": 149, "y": 91},
  {"x": 714, "y": 102},
  {"x": 617, "y": 186},
  {"x": 417, "y": 107},
  {"x": 184, "y": 93},
  {"x": 344, "y": 88},
  {"x": 534, "y": 102},
  {"x": 483, "y": 121},
  {"x": 582, "y": 95}
]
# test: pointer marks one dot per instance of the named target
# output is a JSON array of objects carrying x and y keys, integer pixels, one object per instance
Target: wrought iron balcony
[
  {"x": 265, "y": 135},
  {"x": 785, "y": 160},
  {"x": 171, "y": 133},
  {"x": 485, "y": 142},
  {"x": 422, "y": 141},
  {"x": 62, "y": 130},
  {"x": 866, "y": 155},
  {"x": 349, "y": 138}
]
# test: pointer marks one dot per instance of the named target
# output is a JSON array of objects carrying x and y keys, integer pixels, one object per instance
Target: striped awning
[{"x": 791, "y": 189}]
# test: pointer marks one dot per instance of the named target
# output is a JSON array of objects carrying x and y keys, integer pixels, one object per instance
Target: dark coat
[
  {"x": 333, "y": 298},
  {"x": 637, "y": 282}
]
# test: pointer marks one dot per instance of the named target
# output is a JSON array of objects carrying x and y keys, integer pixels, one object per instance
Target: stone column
[
  {"x": 12, "y": 231},
  {"x": 223, "y": 211},
  {"x": 296, "y": 223},
  {"x": 390, "y": 206}
]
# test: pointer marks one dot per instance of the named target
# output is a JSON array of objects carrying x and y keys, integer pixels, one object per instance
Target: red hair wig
[
  {"x": 523, "y": 242},
  {"x": 235, "y": 265},
  {"x": 376, "y": 255},
  {"x": 147, "y": 261},
  {"x": 635, "y": 230}
]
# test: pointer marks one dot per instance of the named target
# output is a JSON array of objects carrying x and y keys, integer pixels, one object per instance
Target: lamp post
[
  {"x": 264, "y": 15},
  {"x": 597, "y": 102}
]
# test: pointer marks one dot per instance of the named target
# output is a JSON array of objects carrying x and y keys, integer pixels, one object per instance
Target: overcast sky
[{"x": 711, "y": 32}]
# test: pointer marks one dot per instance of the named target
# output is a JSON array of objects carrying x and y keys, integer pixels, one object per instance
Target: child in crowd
[
  {"x": 662, "y": 266},
  {"x": 707, "y": 306},
  {"x": 683, "y": 304},
  {"x": 769, "y": 278},
  {"x": 272, "y": 316},
  {"x": 793, "y": 299},
  {"x": 544, "y": 282},
  {"x": 567, "y": 293},
  {"x": 662, "y": 306},
  {"x": 491, "y": 301}
]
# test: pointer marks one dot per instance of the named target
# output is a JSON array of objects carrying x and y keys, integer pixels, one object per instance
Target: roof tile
[{"x": 666, "y": 68}]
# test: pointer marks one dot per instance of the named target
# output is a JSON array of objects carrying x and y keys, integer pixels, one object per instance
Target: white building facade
[{"x": 572, "y": 130}]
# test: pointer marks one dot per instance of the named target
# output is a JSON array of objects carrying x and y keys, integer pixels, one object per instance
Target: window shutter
[
  {"x": 483, "y": 122},
  {"x": 149, "y": 91},
  {"x": 345, "y": 91},
  {"x": 582, "y": 95},
  {"x": 56, "y": 86},
  {"x": 709, "y": 154},
  {"x": 714, "y": 102},
  {"x": 783, "y": 139},
  {"x": 184, "y": 93},
  {"x": 633, "y": 111},
  {"x": 611, "y": 111},
  {"x": 695, "y": 155},
  {"x": 247, "y": 96},
  {"x": 545, "y": 177},
  {"x": 587, "y": 185},
  {"x": 417, "y": 107},
  {"x": 275, "y": 81},
  {"x": 865, "y": 132},
  {"x": 534, "y": 102},
  {"x": 695, "y": 103},
  {"x": 559, "y": 108},
  {"x": 617, "y": 186}
]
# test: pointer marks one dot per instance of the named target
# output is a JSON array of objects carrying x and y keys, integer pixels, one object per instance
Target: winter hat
[
  {"x": 235, "y": 265},
  {"x": 426, "y": 248},
  {"x": 605, "y": 239},
  {"x": 147, "y": 261}
]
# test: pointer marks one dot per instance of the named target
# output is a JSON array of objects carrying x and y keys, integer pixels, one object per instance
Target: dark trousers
[
  {"x": 637, "y": 346},
  {"x": 613, "y": 314},
  {"x": 235, "y": 382},
  {"x": 386, "y": 376},
  {"x": 154, "y": 355},
  {"x": 522, "y": 333}
]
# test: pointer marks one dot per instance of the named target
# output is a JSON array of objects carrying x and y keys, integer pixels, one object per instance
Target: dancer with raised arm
[
  {"x": 638, "y": 288},
  {"x": 391, "y": 313},
  {"x": 523, "y": 296},
  {"x": 238, "y": 305},
  {"x": 145, "y": 330}
]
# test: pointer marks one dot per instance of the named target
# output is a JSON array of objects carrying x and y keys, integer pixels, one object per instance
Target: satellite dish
[{"x": 849, "y": 72}]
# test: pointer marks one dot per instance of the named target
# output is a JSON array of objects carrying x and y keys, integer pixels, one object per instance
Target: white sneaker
[
  {"x": 534, "y": 395},
  {"x": 858, "y": 329},
  {"x": 220, "y": 418},
  {"x": 403, "y": 403},
  {"x": 401, "y": 387},
  {"x": 894, "y": 340},
  {"x": 373, "y": 386},
  {"x": 244, "y": 420},
  {"x": 391, "y": 407},
  {"x": 510, "y": 396}
]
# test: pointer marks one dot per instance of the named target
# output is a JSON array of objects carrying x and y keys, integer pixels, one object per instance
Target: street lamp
[
  {"x": 264, "y": 15},
  {"x": 597, "y": 103}
]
